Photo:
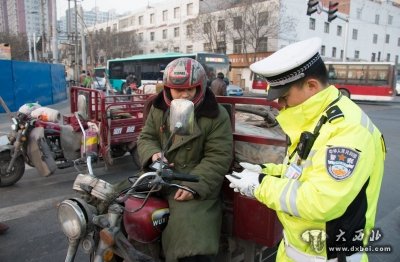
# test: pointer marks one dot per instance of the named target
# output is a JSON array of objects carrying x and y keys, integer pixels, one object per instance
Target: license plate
[{"x": 4, "y": 140}]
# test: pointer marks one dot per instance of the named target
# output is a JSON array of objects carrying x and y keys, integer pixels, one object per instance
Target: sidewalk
[{"x": 5, "y": 121}]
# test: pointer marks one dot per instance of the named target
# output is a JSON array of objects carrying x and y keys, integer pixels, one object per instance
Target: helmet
[
  {"x": 145, "y": 224},
  {"x": 185, "y": 73}
]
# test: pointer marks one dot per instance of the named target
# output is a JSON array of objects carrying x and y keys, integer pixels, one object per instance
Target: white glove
[
  {"x": 251, "y": 167},
  {"x": 244, "y": 182}
]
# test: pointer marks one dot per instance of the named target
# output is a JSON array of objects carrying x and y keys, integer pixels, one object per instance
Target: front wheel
[{"x": 17, "y": 170}]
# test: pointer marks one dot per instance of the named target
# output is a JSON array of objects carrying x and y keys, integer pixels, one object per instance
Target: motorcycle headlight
[{"x": 72, "y": 218}]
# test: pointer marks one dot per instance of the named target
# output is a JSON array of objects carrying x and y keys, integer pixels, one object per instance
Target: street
[{"x": 29, "y": 207}]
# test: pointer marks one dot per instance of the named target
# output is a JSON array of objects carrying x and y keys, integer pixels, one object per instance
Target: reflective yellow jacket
[{"x": 338, "y": 189}]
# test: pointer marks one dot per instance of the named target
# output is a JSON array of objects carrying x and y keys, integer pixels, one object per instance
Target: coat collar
[{"x": 208, "y": 107}]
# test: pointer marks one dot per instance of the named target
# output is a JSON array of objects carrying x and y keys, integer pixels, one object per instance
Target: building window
[
  {"x": 164, "y": 33},
  {"x": 379, "y": 56},
  {"x": 164, "y": 15},
  {"x": 152, "y": 34},
  {"x": 176, "y": 32},
  {"x": 207, "y": 47},
  {"x": 221, "y": 26},
  {"x": 375, "y": 39},
  {"x": 357, "y": 54},
  {"x": 373, "y": 55},
  {"x": 355, "y": 34},
  {"x": 140, "y": 52},
  {"x": 377, "y": 19},
  {"x": 390, "y": 20},
  {"x": 263, "y": 44},
  {"x": 221, "y": 47},
  {"x": 141, "y": 20},
  {"x": 398, "y": 41},
  {"x": 207, "y": 28},
  {"x": 237, "y": 46},
  {"x": 312, "y": 24},
  {"x": 189, "y": 9},
  {"x": 152, "y": 17},
  {"x": 388, "y": 57},
  {"x": 152, "y": 51},
  {"x": 189, "y": 49},
  {"x": 189, "y": 30},
  {"x": 237, "y": 22},
  {"x": 359, "y": 12},
  {"x": 333, "y": 51},
  {"x": 165, "y": 49},
  {"x": 326, "y": 27},
  {"x": 176, "y": 49},
  {"x": 396, "y": 60},
  {"x": 323, "y": 50},
  {"x": 140, "y": 36},
  {"x": 262, "y": 18},
  {"x": 387, "y": 38},
  {"x": 176, "y": 12},
  {"x": 341, "y": 54},
  {"x": 339, "y": 30}
]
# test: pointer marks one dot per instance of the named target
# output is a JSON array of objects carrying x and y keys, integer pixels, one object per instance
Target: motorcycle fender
[{"x": 39, "y": 152}]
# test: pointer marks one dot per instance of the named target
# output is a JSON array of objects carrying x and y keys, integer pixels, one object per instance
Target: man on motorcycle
[{"x": 193, "y": 229}]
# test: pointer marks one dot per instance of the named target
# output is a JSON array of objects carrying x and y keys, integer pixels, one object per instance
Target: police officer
[{"x": 326, "y": 191}]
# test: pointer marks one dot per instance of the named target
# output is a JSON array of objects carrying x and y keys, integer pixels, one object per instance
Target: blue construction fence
[{"x": 27, "y": 82}]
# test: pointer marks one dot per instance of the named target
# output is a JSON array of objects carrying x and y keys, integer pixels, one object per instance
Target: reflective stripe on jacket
[{"x": 340, "y": 181}]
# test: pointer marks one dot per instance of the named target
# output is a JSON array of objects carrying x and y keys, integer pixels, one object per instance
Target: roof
[{"x": 153, "y": 56}]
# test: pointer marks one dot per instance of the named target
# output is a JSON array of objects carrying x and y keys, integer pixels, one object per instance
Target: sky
[{"x": 121, "y": 6}]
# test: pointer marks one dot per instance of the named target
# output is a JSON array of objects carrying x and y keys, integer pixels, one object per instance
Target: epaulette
[{"x": 333, "y": 113}]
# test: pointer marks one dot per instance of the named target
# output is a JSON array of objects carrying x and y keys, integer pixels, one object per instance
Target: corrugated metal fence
[{"x": 26, "y": 82}]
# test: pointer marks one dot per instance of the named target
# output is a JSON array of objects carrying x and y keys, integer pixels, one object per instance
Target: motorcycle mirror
[{"x": 181, "y": 117}]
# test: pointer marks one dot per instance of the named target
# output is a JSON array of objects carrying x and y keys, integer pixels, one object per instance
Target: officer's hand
[
  {"x": 251, "y": 167},
  {"x": 244, "y": 182}
]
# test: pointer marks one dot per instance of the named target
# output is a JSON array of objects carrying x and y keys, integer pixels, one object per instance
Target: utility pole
[
  {"x": 76, "y": 44},
  {"x": 54, "y": 31},
  {"x": 42, "y": 3},
  {"x": 83, "y": 40}
]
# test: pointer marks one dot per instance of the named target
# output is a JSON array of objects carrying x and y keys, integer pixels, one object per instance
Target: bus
[
  {"x": 149, "y": 68},
  {"x": 373, "y": 81}
]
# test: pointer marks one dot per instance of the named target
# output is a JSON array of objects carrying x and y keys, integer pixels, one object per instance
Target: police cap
[{"x": 288, "y": 64}]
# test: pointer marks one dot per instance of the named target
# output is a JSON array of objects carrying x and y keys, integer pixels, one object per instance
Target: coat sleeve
[
  {"x": 148, "y": 143},
  {"x": 218, "y": 154},
  {"x": 318, "y": 195}
]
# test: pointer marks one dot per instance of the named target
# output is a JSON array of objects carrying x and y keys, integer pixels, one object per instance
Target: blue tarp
[{"x": 26, "y": 82}]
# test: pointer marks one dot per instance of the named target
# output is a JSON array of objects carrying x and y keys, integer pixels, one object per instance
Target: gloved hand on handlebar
[
  {"x": 251, "y": 167},
  {"x": 244, "y": 182}
]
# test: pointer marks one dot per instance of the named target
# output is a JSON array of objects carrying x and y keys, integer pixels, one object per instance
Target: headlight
[
  {"x": 14, "y": 127},
  {"x": 72, "y": 219}
]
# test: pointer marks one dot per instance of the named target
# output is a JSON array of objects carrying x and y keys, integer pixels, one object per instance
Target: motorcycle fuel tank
[{"x": 145, "y": 224}]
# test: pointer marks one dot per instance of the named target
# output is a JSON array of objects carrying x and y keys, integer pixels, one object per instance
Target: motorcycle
[
  {"x": 109, "y": 224},
  {"x": 37, "y": 143}
]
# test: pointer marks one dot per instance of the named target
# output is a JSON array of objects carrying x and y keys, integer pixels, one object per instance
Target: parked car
[
  {"x": 233, "y": 90},
  {"x": 259, "y": 83}
]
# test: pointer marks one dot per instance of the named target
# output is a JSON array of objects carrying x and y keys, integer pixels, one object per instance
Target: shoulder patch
[
  {"x": 340, "y": 162},
  {"x": 333, "y": 113}
]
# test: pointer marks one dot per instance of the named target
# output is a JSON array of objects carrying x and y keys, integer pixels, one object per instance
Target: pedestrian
[
  {"x": 193, "y": 229},
  {"x": 87, "y": 82},
  {"x": 3, "y": 228},
  {"x": 326, "y": 191},
  {"x": 218, "y": 85},
  {"x": 82, "y": 77}
]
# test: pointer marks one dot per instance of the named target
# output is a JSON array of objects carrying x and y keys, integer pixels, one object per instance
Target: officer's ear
[{"x": 313, "y": 85}]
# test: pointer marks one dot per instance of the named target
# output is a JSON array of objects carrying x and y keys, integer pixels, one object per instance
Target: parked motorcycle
[
  {"x": 107, "y": 223},
  {"x": 37, "y": 143}
]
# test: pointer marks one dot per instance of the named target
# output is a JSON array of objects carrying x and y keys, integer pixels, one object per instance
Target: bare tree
[
  {"x": 254, "y": 23},
  {"x": 18, "y": 44},
  {"x": 210, "y": 28}
]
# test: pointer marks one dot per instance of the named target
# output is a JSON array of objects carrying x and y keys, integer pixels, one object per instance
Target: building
[{"x": 365, "y": 30}]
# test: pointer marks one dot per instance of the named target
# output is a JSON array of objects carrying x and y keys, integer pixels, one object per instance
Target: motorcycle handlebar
[{"x": 168, "y": 174}]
